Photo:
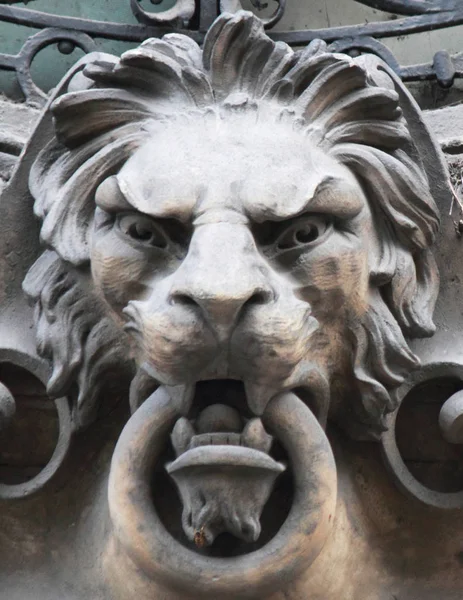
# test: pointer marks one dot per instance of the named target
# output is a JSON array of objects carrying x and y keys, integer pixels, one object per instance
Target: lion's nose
[
  {"x": 220, "y": 307},
  {"x": 223, "y": 275}
]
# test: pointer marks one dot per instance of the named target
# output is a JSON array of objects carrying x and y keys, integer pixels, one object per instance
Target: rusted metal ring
[{"x": 291, "y": 551}]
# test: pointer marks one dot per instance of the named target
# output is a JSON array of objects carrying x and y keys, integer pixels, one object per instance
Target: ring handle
[{"x": 291, "y": 551}]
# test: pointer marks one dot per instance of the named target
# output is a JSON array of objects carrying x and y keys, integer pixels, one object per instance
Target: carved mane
[
  {"x": 331, "y": 97},
  {"x": 74, "y": 333}
]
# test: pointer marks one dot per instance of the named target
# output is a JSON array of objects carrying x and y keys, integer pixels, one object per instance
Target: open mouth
[
  {"x": 248, "y": 397},
  {"x": 220, "y": 416},
  {"x": 227, "y": 392}
]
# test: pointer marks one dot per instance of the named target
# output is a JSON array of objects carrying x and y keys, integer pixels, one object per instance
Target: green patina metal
[{"x": 52, "y": 62}]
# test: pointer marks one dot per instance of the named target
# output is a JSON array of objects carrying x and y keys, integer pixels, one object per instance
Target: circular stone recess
[
  {"x": 428, "y": 436},
  {"x": 39, "y": 370}
]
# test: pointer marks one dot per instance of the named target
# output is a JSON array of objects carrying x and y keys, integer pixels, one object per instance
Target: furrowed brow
[
  {"x": 110, "y": 198},
  {"x": 338, "y": 197},
  {"x": 330, "y": 195}
]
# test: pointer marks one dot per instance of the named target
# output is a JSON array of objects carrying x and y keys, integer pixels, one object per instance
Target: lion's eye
[
  {"x": 142, "y": 229},
  {"x": 303, "y": 232}
]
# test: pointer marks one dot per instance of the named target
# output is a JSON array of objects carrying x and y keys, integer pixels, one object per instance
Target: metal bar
[
  {"x": 208, "y": 12},
  {"x": 411, "y": 7},
  {"x": 9, "y": 62},
  {"x": 137, "y": 33},
  {"x": 434, "y": 71},
  {"x": 399, "y": 27},
  {"x": 101, "y": 29},
  {"x": 436, "y": 15}
]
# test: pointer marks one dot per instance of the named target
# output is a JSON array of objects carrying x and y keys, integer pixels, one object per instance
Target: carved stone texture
[
  {"x": 17, "y": 124},
  {"x": 245, "y": 231}
]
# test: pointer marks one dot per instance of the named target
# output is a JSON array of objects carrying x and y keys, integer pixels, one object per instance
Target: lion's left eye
[
  {"x": 143, "y": 230},
  {"x": 303, "y": 232}
]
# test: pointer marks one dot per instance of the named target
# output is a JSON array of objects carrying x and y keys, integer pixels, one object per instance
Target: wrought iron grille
[{"x": 193, "y": 17}]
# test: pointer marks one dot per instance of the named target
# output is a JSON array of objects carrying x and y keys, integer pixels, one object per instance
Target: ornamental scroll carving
[{"x": 238, "y": 241}]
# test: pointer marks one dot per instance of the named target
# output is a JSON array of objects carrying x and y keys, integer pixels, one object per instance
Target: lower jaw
[{"x": 165, "y": 561}]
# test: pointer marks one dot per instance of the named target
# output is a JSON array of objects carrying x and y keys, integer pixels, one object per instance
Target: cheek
[
  {"x": 334, "y": 278},
  {"x": 121, "y": 272}
]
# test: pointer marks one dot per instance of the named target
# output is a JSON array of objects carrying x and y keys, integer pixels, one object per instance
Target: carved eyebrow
[
  {"x": 326, "y": 181},
  {"x": 338, "y": 197},
  {"x": 109, "y": 197},
  {"x": 325, "y": 184}
]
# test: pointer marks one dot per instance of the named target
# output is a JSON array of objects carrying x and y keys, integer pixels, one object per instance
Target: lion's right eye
[
  {"x": 143, "y": 230},
  {"x": 302, "y": 233}
]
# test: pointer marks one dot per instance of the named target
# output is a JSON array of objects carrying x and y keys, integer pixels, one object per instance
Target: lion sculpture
[
  {"x": 242, "y": 211},
  {"x": 240, "y": 231}
]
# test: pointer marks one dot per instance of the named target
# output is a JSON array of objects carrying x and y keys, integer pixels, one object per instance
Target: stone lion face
[
  {"x": 255, "y": 216},
  {"x": 235, "y": 250}
]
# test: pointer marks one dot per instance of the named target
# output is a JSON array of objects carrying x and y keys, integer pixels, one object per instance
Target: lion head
[{"x": 237, "y": 213}]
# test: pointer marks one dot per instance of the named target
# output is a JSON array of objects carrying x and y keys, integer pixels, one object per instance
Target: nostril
[
  {"x": 260, "y": 297},
  {"x": 183, "y": 299}
]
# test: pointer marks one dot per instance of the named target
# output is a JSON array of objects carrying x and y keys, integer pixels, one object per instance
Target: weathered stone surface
[
  {"x": 447, "y": 125},
  {"x": 17, "y": 124},
  {"x": 249, "y": 236}
]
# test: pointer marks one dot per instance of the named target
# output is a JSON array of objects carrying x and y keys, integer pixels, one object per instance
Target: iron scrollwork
[
  {"x": 21, "y": 62},
  {"x": 181, "y": 12},
  {"x": 411, "y": 7},
  {"x": 193, "y": 17}
]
